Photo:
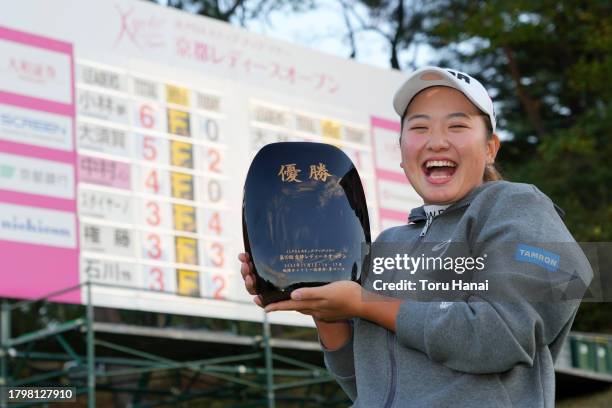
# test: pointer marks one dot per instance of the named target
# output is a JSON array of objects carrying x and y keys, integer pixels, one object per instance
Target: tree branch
[
  {"x": 399, "y": 31},
  {"x": 229, "y": 12},
  {"x": 531, "y": 106},
  {"x": 349, "y": 26}
]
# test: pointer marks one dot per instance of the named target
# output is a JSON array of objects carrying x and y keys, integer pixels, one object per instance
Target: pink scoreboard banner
[
  {"x": 39, "y": 248},
  {"x": 394, "y": 193}
]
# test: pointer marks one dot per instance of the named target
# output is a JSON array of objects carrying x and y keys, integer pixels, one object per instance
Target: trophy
[{"x": 304, "y": 218}]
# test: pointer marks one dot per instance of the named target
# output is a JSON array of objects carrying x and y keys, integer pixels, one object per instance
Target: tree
[
  {"x": 399, "y": 22},
  {"x": 238, "y": 11}
]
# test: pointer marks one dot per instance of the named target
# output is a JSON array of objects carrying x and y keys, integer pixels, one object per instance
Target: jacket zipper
[
  {"x": 391, "y": 344},
  {"x": 429, "y": 221}
]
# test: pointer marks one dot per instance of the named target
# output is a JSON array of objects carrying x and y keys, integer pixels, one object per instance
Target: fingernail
[{"x": 296, "y": 295}]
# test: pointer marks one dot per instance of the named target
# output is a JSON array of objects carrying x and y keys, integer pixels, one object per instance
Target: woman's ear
[{"x": 492, "y": 148}]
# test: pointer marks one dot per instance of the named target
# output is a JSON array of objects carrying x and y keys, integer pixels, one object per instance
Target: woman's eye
[
  {"x": 418, "y": 128},
  {"x": 459, "y": 126}
]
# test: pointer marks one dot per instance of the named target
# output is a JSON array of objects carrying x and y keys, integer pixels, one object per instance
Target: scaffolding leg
[
  {"x": 5, "y": 335},
  {"x": 269, "y": 366},
  {"x": 91, "y": 365}
]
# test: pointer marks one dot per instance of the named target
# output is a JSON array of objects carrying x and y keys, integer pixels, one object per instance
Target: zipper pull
[{"x": 426, "y": 227}]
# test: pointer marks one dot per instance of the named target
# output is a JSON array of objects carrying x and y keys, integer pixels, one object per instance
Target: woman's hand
[
  {"x": 332, "y": 335},
  {"x": 246, "y": 270},
  {"x": 335, "y": 301}
]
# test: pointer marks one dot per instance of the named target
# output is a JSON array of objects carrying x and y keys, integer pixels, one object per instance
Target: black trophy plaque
[{"x": 304, "y": 218}]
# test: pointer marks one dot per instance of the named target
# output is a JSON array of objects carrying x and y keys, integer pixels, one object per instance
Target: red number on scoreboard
[
  {"x": 149, "y": 151},
  {"x": 220, "y": 282},
  {"x": 214, "y": 224},
  {"x": 155, "y": 252},
  {"x": 217, "y": 259},
  {"x": 151, "y": 181},
  {"x": 153, "y": 219},
  {"x": 158, "y": 279},
  {"x": 147, "y": 119},
  {"x": 215, "y": 160}
]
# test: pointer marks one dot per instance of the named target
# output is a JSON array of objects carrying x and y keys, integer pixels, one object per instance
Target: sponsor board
[
  {"x": 35, "y": 128},
  {"x": 36, "y": 176},
  {"x": 37, "y": 226}
]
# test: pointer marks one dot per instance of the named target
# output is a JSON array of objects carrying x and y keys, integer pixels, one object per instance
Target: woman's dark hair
[{"x": 490, "y": 172}]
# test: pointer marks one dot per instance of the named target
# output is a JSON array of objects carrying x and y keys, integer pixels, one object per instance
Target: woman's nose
[{"x": 437, "y": 140}]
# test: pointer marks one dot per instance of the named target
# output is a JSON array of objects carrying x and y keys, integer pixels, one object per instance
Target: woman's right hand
[
  {"x": 332, "y": 334},
  {"x": 246, "y": 270}
]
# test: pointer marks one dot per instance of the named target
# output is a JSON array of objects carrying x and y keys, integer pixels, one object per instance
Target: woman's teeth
[
  {"x": 440, "y": 169},
  {"x": 439, "y": 163}
]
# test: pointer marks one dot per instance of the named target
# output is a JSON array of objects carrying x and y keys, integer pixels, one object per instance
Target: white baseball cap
[{"x": 435, "y": 76}]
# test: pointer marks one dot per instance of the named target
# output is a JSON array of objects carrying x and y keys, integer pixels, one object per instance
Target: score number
[
  {"x": 150, "y": 116},
  {"x": 218, "y": 286},
  {"x": 160, "y": 279}
]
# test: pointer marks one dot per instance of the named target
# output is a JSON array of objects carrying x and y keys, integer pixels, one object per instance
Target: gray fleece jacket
[{"x": 473, "y": 351}]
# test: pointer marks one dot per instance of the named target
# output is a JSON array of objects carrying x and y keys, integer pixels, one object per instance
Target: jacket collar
[{"x": 418, "y": 214}]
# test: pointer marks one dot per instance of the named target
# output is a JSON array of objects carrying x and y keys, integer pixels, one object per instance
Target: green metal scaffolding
[{"x": 260, "y": 375}]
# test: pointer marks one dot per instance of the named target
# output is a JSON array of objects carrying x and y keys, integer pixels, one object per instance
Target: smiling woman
[
  {"x": 472, "y": 348},
  {"x": 445, "y": 150}
]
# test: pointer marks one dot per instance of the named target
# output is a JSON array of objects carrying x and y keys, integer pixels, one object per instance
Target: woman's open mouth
[{"x": 439, "y": 171}]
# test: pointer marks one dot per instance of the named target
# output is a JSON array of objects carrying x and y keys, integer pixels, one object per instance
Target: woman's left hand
[{"x": 335, "y": 301}]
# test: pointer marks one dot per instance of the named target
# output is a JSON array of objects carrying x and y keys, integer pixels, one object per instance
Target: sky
[{"x": 324, "y": 29}]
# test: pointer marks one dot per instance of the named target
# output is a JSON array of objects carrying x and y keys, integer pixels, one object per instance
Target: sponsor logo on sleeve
[{"x": 537, "y": 256}]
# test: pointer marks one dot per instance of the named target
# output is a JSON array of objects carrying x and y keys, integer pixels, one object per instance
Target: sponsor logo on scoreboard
[
  {"x": 36, "y": 176},
  {"x": 139, "y": 30},
  {"x": 35, "y": 128},
  {"x": 35, "y": 72},
  {"x": 37, "y": 226}
]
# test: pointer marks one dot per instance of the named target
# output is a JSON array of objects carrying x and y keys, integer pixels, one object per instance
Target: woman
[{"x": 476, "y": 350}]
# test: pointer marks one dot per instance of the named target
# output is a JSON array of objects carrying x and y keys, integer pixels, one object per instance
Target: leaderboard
[
  {"x": 153, "y": 174},
  {"x": 152, "y": 178},
  {"x": 123, "y": 152}
]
